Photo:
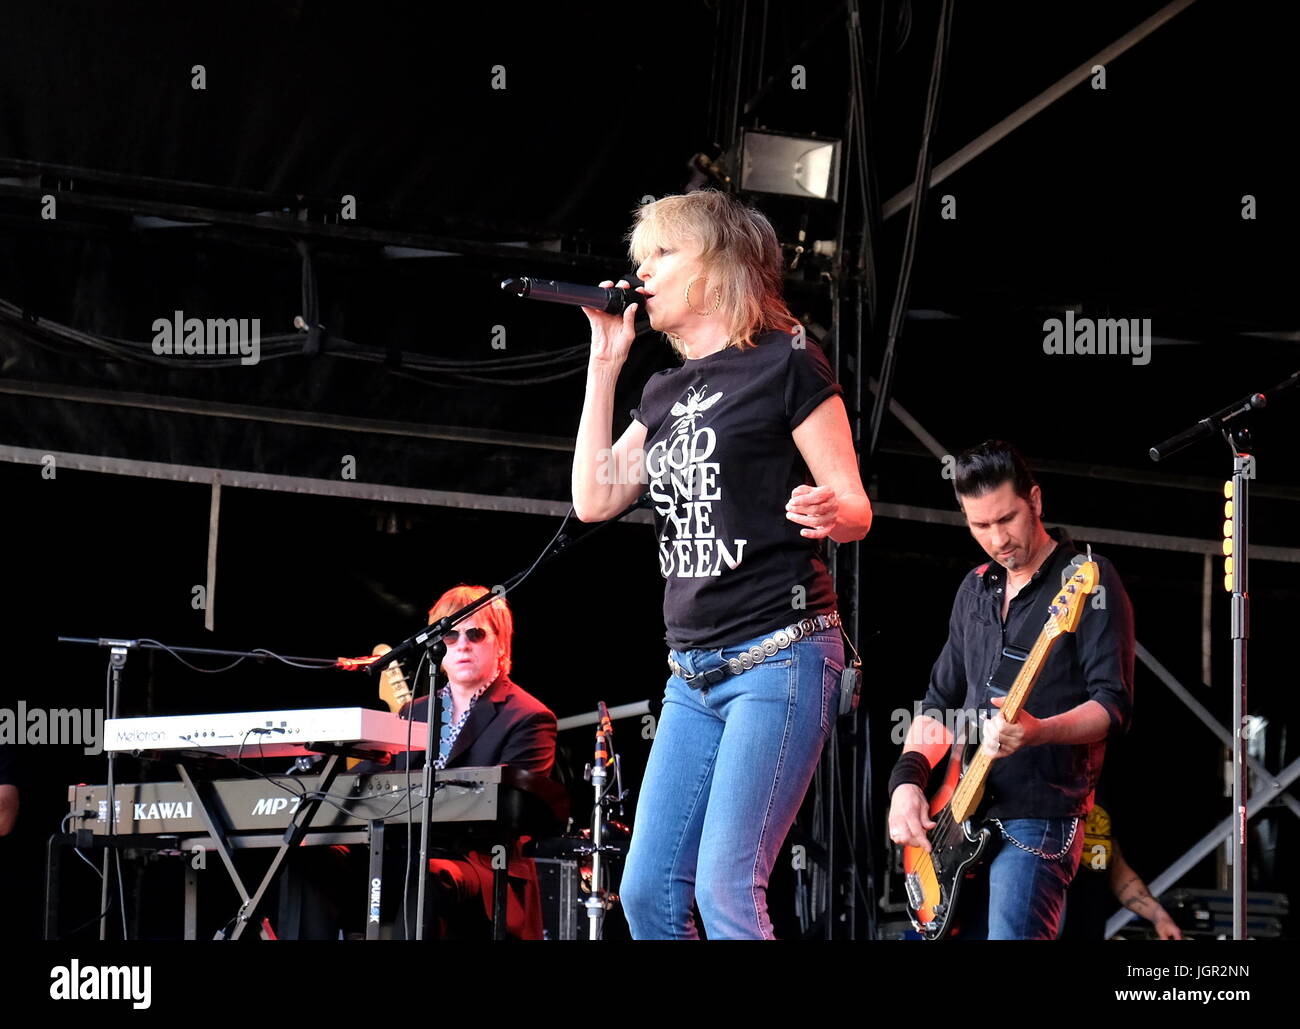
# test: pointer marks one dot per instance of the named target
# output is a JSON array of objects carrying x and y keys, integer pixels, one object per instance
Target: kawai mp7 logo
[{"x": 267, "y": 806}]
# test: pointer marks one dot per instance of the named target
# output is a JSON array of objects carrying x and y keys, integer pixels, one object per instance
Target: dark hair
[{"x": 984, "y": 468}]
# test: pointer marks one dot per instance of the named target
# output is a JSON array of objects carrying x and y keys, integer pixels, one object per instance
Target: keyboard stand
[
  {"x": 375, "y": 884},
  {"x": 218, "y": 834},
  {"x": 293, "y": 836}
]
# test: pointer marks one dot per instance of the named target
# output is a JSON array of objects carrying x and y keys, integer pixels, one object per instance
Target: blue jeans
[
  {"x": 1026, "y": 892},
  {"x": 727, "y": 772}
]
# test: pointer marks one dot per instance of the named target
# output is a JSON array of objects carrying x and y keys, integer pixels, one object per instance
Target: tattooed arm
[{"x": 1132, "y": 892}]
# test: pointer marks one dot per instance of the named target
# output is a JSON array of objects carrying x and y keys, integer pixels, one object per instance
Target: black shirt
[
  {"x": 721, "y": 464},
  {"x": 1093, "y": 663}
]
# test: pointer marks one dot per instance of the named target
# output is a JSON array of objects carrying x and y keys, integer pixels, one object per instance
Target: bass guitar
[{"x": 932, "y": 879}]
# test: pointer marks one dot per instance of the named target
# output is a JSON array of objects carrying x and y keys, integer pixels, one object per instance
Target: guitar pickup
[{"x": 915, "y": 896}]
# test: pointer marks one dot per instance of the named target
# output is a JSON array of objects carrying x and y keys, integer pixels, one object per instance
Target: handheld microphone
[{"x": 609, "y": 299}]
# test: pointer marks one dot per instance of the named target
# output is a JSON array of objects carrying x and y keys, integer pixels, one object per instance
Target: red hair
[{"x": 496, "y": 614}]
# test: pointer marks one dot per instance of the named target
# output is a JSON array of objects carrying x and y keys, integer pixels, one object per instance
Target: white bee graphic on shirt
[{"x": 690, "y": 411}]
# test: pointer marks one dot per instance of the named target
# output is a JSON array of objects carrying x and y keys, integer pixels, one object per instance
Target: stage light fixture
[{"x": 790, "y": 165}]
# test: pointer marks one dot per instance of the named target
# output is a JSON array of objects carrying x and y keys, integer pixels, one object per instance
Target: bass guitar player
[{"x": 1047, "y": 756}]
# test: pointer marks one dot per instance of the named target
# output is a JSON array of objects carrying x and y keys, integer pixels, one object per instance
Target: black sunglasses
[{"x": 474, "y": 635}]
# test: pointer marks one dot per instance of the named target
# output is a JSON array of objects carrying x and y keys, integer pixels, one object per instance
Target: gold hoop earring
[{"x": 717, "y": 300}]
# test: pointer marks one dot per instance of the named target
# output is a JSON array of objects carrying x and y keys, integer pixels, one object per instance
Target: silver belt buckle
[{"x": 760, "y": 652}]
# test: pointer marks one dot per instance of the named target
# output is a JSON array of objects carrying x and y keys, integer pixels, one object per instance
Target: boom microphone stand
[
  {"x": 118, "y": 650},
  {"x": 1232, "y": 423}
]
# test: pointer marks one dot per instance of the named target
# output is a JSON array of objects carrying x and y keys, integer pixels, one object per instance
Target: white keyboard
[{"x": 253, "y": 734}]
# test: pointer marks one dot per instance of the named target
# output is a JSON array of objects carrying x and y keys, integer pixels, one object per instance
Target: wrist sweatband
[{"x": 912, "y": 770}]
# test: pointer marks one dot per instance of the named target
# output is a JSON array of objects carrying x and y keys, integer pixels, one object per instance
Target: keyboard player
[{"x": 486, "y": 719}]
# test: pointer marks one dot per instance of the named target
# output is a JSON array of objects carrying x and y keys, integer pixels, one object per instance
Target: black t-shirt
[{"x": 722, "y": 463}]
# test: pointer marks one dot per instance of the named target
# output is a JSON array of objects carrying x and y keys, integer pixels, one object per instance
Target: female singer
[{"x": 749, "y": 459}]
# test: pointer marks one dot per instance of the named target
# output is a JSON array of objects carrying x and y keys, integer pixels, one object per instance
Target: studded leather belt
[{"x": 758, "y": 653}]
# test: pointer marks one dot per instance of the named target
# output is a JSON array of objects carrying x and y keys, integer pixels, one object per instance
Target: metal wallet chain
[{"x": 1065, "y": 849}]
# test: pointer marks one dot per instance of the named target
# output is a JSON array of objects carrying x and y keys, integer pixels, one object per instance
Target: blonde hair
[
  {"x": 496, "y": 614},
  {"x": 739, "y": 252}
]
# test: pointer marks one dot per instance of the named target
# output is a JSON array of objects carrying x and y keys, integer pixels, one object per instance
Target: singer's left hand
[{"x": 816, "y": 507}]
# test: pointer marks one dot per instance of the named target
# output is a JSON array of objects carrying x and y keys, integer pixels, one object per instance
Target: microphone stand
[
  {"x": 600, "y": 900},
  {"x": 430, "y": 637},
  {"x": 117, "y": 653},
  {"x": 1232, "y": 423},
  {"x": 118, "y": 650},
  {"x": 437, "y": 651}
]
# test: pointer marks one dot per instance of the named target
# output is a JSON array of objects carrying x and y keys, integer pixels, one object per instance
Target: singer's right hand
[
  {"x": 611, "y": 334},
  {"x": 607, "y": 476}
]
